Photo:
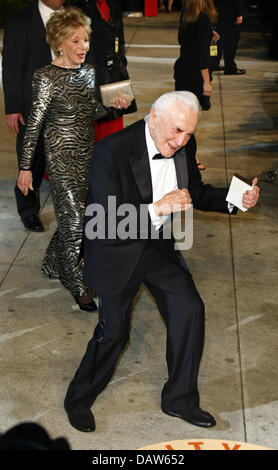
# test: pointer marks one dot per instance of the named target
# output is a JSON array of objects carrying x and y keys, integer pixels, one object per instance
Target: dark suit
[
  {"x": 107, "y": 50},
  {"x": 24, "y": 51},
  {"x": 228, "y": 11},
  {"x": 116, "y": 268}
]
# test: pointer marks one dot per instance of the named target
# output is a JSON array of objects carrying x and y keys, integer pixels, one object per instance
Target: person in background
[
  {"x": 192, "y": 68},
  {"x": 25, "y": 50},
  {"x": 107, "y": 55},
  {"x": 65, "y": 101},
  {"x": 162, "y": 6},
  {"x": 230, "y": 18},
  {"x": 31, "y": 436}
]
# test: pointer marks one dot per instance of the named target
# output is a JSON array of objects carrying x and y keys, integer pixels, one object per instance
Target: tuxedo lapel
[
  {"x": 139, "y": 161},
  {"x": 181, "y": 168}
]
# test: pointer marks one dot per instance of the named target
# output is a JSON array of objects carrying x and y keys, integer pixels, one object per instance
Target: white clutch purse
[{"x": 111, "y": 91}]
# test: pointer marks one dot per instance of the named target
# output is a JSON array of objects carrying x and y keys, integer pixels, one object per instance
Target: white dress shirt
[
  {"x": 45, "y": 13},
  {"x": 164, "y": 178}
]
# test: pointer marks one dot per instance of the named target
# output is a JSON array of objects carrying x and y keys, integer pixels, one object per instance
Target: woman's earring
[{"x": 61, "y": 53}]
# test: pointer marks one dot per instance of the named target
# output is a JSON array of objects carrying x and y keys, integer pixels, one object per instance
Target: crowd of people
[{"x": 54, "y": 105}]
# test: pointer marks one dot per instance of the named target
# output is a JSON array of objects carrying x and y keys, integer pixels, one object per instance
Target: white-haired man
[{"x": 149, "y": 164}]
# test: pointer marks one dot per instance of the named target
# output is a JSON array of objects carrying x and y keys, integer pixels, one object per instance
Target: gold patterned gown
[{"x": 65, "y": 102}]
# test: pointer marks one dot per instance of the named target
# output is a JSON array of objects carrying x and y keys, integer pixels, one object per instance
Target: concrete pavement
[{"x": 234, "y": 262}]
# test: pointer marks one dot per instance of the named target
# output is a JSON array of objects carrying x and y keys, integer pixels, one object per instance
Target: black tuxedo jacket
[
  {"x": 120, "y": 167},
  {"x": 104, "y": 33},
  {"x": 229, "y": 10},
  {"x": 24, "y": 51}
]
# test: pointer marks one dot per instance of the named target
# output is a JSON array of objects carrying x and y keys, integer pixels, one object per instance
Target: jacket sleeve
[
  {"x": 204, "y": 196},
  {"x": 41, "y": 98},
  {"x": 14, "y": 59}
]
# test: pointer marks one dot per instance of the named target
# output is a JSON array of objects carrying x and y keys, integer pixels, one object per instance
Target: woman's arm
[
  {"x": 207, "y": 88},
  {"x": 41, "y": 94}
]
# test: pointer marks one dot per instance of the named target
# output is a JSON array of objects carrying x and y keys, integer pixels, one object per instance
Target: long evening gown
[{"x": 65, "y": 102}]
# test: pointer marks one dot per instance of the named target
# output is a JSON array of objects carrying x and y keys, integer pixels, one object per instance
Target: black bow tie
[{"x": 158, "y": 156}]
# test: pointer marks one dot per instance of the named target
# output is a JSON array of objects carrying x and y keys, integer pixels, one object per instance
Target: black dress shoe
[
  {"x": 236, "y": 72},
  {"x": 194, "y": 416},
  {"x": 33, "y": 223},
  {"x": 91, "y": 307},
  {"x": 82, "y": 419}
]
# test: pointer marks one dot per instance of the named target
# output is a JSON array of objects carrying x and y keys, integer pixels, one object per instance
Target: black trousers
[
  {"x": 227, "y": 44},
  {"x": 182, "y": 308},
  {"x": 29, "y": 205}
]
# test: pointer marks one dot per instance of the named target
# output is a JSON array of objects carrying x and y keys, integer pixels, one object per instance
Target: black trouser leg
[
  {"x": 104, "y": 349},
  {"x": 230, "y": 42},
  {"x": 172, "y": 286},
  {"x": 183, "y": 312}
]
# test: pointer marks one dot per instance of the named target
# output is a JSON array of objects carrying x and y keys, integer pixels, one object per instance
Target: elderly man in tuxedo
[
  {"x": 25, "y": 50},
  {"x": 149, "y": 164}
]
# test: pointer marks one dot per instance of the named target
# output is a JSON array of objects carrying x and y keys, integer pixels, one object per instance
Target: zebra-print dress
[{"x": 65, "y": 102}]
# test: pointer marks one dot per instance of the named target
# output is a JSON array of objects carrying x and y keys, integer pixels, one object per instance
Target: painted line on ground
[
  {"x": 37, "y": 294},
  {"x": 245, "y": 322},
  {"x": 8, "y": 336}
]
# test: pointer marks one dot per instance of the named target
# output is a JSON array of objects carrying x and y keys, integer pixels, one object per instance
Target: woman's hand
[
  {"x": 207, "y": 88},
  {"x": 215, "y": 36},
  {"x": 25, "y": 181},
  {"x": 120, "y": 103}
]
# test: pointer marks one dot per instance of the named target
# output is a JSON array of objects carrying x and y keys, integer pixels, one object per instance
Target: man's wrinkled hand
[
  {"x": 174, "y": 201},
  {"x": 251, "y": 197},
  {"x": 12, "y": 121}
]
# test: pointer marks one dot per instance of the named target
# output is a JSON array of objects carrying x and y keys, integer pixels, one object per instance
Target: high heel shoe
[{"x": 90, "y": 307}]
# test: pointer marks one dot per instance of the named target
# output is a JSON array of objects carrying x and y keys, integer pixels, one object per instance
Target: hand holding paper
[
  {"x": 251, "y": 196},
  {"x": 242, "y": 193}
]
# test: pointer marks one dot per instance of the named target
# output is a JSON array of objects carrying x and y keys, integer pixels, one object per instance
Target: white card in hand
[{"x": 237, "y": 188}]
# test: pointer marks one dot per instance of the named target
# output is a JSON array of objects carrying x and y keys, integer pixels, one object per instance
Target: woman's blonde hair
[
  {"x": 62, "y": 24},
  {"x": 193, "y": 8}
]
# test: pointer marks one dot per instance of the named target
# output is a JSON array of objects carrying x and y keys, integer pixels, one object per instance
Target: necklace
[{"x": 64, "y": 66}]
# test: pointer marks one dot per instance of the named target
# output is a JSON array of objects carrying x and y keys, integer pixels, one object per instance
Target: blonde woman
[
  {"x": 192, "y": 69},
  {"x": 65, "y": 102}
]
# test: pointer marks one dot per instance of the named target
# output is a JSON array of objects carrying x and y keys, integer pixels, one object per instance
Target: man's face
[
  {"x": 173, "y": 129},
  {"x": 53, "y": 4}
]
